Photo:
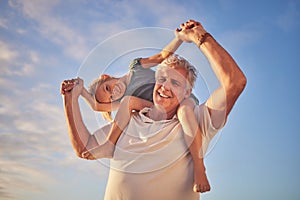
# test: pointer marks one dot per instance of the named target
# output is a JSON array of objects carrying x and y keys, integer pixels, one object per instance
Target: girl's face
[{"x": 110, "y": 90}]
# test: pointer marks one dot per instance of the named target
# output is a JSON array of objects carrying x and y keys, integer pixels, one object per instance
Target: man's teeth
[{"x": 162, "y": 95}]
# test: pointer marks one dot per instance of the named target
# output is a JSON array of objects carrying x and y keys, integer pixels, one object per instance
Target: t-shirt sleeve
[
  {"x": 205, "y": 122},
  {"x": 135, "y": 64},
  {"x": 194, "y": 98},
  {"x": 102, "y": 133}
]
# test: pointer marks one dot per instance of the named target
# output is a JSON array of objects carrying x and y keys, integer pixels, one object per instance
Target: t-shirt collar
[{"x": 146, "y": 119}]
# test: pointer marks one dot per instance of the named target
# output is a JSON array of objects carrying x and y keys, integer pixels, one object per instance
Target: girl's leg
[{"x": 193, "y": 136}]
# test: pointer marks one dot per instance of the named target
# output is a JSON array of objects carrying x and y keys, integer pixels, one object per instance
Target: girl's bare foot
[{"x": 201, "y": 183}]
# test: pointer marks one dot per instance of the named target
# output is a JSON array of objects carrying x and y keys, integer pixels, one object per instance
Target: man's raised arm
[
  {"x": 231, "y": 78},
  {"x": 80, "y": 137}
]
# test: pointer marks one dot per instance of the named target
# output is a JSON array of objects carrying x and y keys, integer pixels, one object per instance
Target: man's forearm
[
  {"x": 230, "y": 76},
  {"x": 224, "y": 66},
  {"x": 78, "y": 133}
]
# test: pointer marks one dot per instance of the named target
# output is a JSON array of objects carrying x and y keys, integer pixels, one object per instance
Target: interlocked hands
[
  {"x": 190, "y": 31},
  {"x": 72, "y": 87}
]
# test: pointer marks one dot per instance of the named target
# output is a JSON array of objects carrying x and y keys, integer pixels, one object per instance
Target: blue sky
[{"x": 43, "y": 42}]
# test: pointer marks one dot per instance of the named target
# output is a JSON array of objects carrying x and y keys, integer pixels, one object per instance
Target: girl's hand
[
  {"x": 190, "y": 31},
  {"x": 72, "y": 87}
]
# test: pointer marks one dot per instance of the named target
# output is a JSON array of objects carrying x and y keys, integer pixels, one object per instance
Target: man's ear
[
  {"x": 188, "y": 93},
  {"x": 104, "y": 76}
]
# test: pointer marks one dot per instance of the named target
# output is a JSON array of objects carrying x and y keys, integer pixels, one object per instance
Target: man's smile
[{"x": 163, "y": 95}]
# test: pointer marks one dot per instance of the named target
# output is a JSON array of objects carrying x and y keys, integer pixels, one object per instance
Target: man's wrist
[
  {"x": 202, "y": 38},
  {"x": 71, "y": 97},
  {"x": 75, "y": 97}
]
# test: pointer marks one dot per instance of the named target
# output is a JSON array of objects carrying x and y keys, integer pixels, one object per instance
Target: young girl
[{"x": 133, "y": 92}]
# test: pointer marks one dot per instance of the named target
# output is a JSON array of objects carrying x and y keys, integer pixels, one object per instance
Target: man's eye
[
  {"x": 107, "y": 88},
  {"x": 161, "y": 80},
  {"x": 176, "y": 83}
]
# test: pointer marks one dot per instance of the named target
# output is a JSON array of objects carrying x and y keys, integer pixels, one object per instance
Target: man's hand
[
  {"x": 190, "y": 31},
  {"x": 72, "y": 87}
]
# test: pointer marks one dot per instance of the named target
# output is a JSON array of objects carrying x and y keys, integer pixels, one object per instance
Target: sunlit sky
[{"x": 43, "y": 42}]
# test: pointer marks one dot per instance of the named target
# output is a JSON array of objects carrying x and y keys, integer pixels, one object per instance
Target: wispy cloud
[
  {"x": 33, "y": 133},
  {"x": 19, "y": 176},
  {"x": 24, "y": 140},
  {"x": 3, "y": 23},
  {"x": 6, "y": 52},
  {"x": 15, "y": 63},
  {"x": 33, "y": 139},
  {"x": 97, "y": 23},
  {"x": 52, "y": 26}
]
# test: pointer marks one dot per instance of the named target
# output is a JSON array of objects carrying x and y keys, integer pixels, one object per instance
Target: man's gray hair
[{"x": 176, "y": 61}]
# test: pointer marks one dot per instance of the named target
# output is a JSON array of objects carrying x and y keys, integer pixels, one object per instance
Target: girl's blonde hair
[{"x": 92, "y": 90}]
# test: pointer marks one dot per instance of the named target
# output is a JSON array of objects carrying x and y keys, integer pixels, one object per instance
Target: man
[{"x": 151, "y": 159}]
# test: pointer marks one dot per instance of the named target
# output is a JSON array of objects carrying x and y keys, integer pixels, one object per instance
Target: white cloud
[
  {"x": 35, "y": 9},
  {"x": 15, "y": 174},
  {"x": 52, "y": 27},
  {"x": 19, "y": 70},
  {"x": 122, "y": 15},
  {"x": 97, "y": 24},
  {"x": 21, "y": 31},
  {"x": 3, "y": 23},
  {"x": 6, "y": 52},
  {"x": 32, "y": 133},
  {"x": 33, "y": 128},
  {"x": 34, "y": 57},
  {"x": 16, "y": 61}
]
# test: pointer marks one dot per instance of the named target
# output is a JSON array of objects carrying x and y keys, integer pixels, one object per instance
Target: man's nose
[{"x": 166, "y": 85}]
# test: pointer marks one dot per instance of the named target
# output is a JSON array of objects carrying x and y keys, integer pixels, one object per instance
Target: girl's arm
[
  {"x": 128, "y": 104},
  {"x": 158, "y": 58},
  {"x": 101, "y": 107},
  {"x": 88, "y": 98}
]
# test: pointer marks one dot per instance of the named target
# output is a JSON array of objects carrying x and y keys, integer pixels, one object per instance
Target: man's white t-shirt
[{"x": 152, "y": 160}]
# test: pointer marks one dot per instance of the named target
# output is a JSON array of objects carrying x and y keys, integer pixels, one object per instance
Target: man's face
[{"x": 170, "y": 88}]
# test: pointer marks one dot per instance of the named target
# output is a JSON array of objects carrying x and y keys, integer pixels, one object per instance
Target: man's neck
[{"x": 158, "y": 114}]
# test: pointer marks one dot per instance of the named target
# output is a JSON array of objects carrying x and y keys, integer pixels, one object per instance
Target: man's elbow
[
  {"x": 239, "y": 82},
  {"x": 79, "y": 152},
  {"x": 236, "y": 86},
  {"x": 243, "y": 82}
]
